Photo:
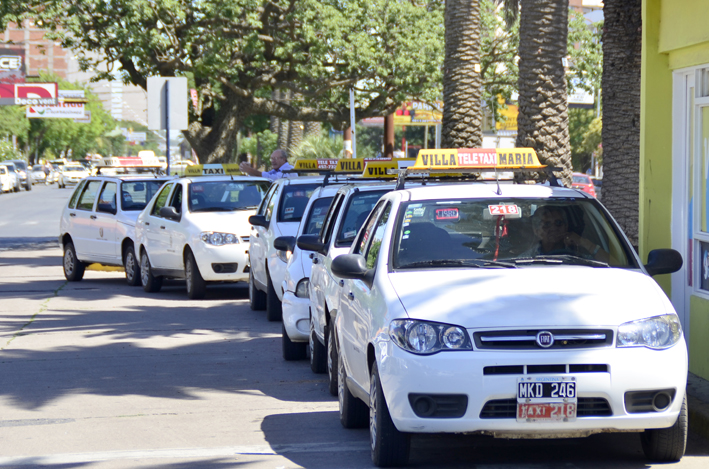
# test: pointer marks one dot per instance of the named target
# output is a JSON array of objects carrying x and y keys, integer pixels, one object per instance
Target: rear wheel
[
  {"x": 390, "y": 447},
  {"x": 257, "y": 298},
  {"x": 318, "y": 352},
  {"x": 667, "y": 444},
  {"x": 353, "y": 412},
  {"x": 73, "y": 267},
  {"x": 196, "y": 286},
  {"x": 151, "y": 283},
  {"x": 28, "y": 186},
  {"x": 131, "y": 265},
  {"x": 332, "y": 361},
  {"x": 292, "y": 350},
  {"x": 274, "y": 309}
]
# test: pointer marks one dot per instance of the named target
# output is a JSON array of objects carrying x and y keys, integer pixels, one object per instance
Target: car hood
[
  {"x": 226, "y": 222},
  {"x": 558, "y": 296}
]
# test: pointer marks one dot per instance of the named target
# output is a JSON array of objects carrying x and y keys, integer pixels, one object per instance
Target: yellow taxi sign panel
[
  {"x": 380, "y": 169},
  {"x": 213, "y": 170},
  {"x": 315, "y": 164},
  {"x": 477, "y": 158}
]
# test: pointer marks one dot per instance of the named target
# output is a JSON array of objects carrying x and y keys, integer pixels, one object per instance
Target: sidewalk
[{"x": 698, "y": 404}]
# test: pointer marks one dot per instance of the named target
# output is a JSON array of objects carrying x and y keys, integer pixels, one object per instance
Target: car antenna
[{"x": 497, "y": 179}]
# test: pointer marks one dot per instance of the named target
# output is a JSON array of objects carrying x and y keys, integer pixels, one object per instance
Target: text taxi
[{"x": 515, "y": 310}]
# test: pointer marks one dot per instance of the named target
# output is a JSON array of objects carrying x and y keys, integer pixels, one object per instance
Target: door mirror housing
[
  {"x": 170, "y": 213},
  {"x": 352, "y": 266},
  {"x": 311, "y": 243},
  {"x": 284, "y": 243},
  {"x": 663, "y": 261},
  {"x": 258, "y": 220}
]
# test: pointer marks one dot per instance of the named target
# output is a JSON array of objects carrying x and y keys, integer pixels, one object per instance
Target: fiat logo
[{"x": 545, "y": 339}]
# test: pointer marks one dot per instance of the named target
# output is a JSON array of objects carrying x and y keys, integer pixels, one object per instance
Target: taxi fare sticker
[
  {"x": 447, "y": 214},
  {"x": 503, "y": 209}
]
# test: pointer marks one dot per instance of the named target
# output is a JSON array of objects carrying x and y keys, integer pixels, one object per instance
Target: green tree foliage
[
  {"x": 260, "y": 146},
  {"x": 585, "y": 56},
  {"x": 236, "y": 52},
  {"x": 13, "y": 122},
  {"x": 498, "y": 57},
  {"x": 319, "y": 146}
]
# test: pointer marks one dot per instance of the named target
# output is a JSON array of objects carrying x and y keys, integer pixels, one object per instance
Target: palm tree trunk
[
  {"x": 543, "y": 121},
  {"x": 462, "y": 108},
  {"x": 622, "y": 44},
  {"x": 312, "y": 128}
]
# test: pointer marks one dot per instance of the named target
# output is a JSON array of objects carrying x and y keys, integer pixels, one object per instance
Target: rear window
[
  {"x": 581, "y": 180},
  {"x": 135, "y": 195},
  {"x": 293, "y": 201},
  {"x": 356, "y": 213}
]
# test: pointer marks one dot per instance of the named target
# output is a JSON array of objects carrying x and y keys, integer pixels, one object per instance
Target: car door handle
[
  {"x": 72, "y": 214},
  {"x": 256, "y": 234},
  {"x": 146, "y": 223},
  {"x": 350, "y": 295},
  {"x": 342, "y": 283},
  {"x": 93, "y": 217},
  {"x": 162, "y": 227}
]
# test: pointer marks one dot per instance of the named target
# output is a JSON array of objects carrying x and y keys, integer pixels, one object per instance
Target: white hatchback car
[
  {"x": 519, "y": 311},
  {"x": 97, "y": 225},
  {"x": 7, "y": 183},
  {"x": 196, "y": 228}
]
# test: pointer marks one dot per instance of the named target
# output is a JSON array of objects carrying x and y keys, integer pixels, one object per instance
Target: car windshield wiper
[
  {"x": 439, "y": 263},
  {"x": 560, "y": 259}
]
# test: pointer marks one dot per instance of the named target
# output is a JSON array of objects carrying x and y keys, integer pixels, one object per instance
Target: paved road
[{"x": 97, "y": 374}]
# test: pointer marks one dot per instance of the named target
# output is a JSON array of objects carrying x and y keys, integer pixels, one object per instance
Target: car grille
[
  {"x": 542, "y": 369},
  {"x": 527, "y": 339},
  {"x": 507, "y": 408}
]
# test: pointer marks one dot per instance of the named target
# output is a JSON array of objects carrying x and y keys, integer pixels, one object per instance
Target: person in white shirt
[{"x": 279, "y": 163}]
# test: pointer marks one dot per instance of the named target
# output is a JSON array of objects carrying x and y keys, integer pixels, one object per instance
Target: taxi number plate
[
  {"x": 546, "y": 398},
  {"x": 556, "y": 412}
]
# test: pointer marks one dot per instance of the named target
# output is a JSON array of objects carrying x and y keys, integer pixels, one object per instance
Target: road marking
[{"x": 184, "y": 453}]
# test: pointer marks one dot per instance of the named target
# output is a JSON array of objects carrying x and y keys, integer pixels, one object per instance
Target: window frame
[
  {"x": 93, "y": 206},
  {"x": 115, "y": 195}
]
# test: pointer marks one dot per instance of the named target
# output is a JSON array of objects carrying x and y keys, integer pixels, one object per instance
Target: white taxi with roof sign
[
  {"x": 196, "y": 228},
  {"x": 514, "y": 310}
]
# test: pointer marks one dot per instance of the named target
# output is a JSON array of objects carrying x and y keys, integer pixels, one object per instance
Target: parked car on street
[
  {"x": 14, "y": 175},
  {"x": 583, "y": 182},
  {"x": 25, "y": 174},
  {"x": 38, "y": 174},
  {"x": 71, "y": 174},
  {"x": 7, "y": 182}
]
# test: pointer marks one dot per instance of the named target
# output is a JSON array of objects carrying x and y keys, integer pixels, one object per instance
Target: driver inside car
[{"x": 551, "y": 226}]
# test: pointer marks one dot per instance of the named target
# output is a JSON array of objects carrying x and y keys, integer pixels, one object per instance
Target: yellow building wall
[{"x": 684, "y": 23}]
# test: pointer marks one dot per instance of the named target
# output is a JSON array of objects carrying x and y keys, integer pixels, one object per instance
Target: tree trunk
[
  {"x": 462, "y": 108},
  {"x": 313, "y": 128},
  {"x": 543, "y": 121},
  {"x": 275, "y": 121},
  {"x": 622, "y": 43},
  {"x": 295, "y": 135}
]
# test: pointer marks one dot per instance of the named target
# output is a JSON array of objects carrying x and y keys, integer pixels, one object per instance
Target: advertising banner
[
  {"x": 61, "y": 111},
  {"x": 12, "y": 66}
]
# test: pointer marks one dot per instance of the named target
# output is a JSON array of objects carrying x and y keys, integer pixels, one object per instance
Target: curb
[{"x": 698, "y": 405}]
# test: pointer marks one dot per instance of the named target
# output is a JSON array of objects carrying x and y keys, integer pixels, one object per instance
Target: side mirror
[
  {"x": 350, "y": 266},
  {"x": 106, "y": 208},
  {"x": 258, "y": 220},
  {"x": 170, "y": 213},
  {"x": 663, "y": 261},
  {"x": 311, "y": 243},
  {"x": 284, "y": 243}
]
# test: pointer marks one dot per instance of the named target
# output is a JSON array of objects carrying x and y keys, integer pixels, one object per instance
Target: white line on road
[{"x": 185, "y": 453}]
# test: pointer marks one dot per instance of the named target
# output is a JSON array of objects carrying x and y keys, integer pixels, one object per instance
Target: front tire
[
  {"x": 390, "y": 447},
  {"x": 274, "y": 308},
  {"x": 73, "y": 267},
  {"x": 151, "y": 283},
  {"x": 353, "y": 412},
  {"x": 318, "y": 352},
  {"x": 257, "y": 298},
  {"x": 196, "y": 286},
  {"x": 292, "y": 350},
  {"x": 332, "y": 361},
  {"x": 667, "y": 444},
  {"x": 132, "y": 266}
]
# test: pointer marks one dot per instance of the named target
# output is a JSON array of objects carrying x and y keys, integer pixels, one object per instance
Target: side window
[
  {"x": 176, "y": 201},
  {"x": 161, "y": 200},
  {"x": 266, "y": 200},
  {"x": 270, "y": 207},
  {"x": 88, "y": 196},
  {"x": 366, "y": 233},
  {"x": 75, "y": 195},
  {"x": 372, "y": 250},
  {"x": 326, "y": 233},
  {"x": 107, "y": 199}
]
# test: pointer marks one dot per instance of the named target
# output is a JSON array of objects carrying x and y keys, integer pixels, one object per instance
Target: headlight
[
  {"x": 658, "y": 332},
  {"x": 219, "y": 239},
  {"x": 302, "y": 290},
  {"x": 283, "y": 255},
  {"x": 423, "y": 337}
]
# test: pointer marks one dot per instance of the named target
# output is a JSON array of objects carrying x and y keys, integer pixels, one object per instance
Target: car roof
[
  {"x": 131, "y": 177},
  {"x": 191, "y": 179},
  {"x": 490, "y": 189}
]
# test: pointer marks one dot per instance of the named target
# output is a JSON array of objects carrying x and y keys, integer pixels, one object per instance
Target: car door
[
  {"x": 106, "y": 246},
  {"x": 84, "y": 232},
  {"x": 257, "y": 245},
  {"x": 361, "y": 299},
  {"x": 175, "y": 231},
  {"x": 155, "y": 241}
]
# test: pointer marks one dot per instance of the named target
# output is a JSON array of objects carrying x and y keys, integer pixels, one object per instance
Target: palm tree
[
  {"x": 462, "y": 108},
  {"x": 543, "y": 120},
  {"x": 622, "y": 43}
]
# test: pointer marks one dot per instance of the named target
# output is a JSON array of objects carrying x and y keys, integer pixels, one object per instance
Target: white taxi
[
  {"x": 514, "y": 310},
  {"x": 6, "y": 181},
  {"x": 196, "y": 228},
  {"x": 71, "y": 174}
]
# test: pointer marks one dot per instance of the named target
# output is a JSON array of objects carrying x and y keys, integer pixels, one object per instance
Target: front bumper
[
  {"x": 222, "y": 258},
  {"x": 296, "y": 316},
  {"x": 69, "y": 181},
  {"x": 629, "y": 369}
]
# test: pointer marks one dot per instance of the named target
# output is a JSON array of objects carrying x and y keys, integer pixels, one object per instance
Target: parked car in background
[
  {"x": 24, "y": 172},
  {"x": 597, "y": 183},
  {"x": 7, "y": 183},
  {"x": 71, "y": 174},
  {"x": 583, "y": 182},
  {"x": 38, "y": 174},
  {"x": 177, "y": 168},
  {"x": 13, "y": 173}
]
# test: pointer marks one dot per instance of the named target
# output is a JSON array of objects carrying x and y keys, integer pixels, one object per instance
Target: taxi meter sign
[
  {"x": 477, "y": 158},
  {"x": 319, "y": 164},
  {"x": 213, "y": 170}
]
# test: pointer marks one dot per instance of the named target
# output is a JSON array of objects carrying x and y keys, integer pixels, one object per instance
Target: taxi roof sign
[
  {"x": 212, "y": 170},
  {"x": 381, "y": 168},
  {"x": 476, "y": 159}
]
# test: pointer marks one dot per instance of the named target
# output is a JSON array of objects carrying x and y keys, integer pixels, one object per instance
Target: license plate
[{"x": 546, "y": 398}]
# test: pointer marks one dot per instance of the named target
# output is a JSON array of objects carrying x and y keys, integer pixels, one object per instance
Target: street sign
[{"x": 167, "y": 103}]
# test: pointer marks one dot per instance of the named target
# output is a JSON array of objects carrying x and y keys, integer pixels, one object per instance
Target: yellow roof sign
[
  {"x": 213, "y": 170},
  {"x": 477, "y": 159},
  {"x": 380, "y": 169},
  {"x": 319, "y": 164}
]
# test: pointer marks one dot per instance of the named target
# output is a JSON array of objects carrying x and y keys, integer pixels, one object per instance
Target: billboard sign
[
  {"x": 12, "y": 66},
  {"x": 36, "y": 93},
  {"x": 61, "y": 111}
]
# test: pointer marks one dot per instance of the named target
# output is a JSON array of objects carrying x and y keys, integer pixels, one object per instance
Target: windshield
[
  {"x": 73, "y": 168},
  {"x": 356, "y": 213},
  {"x": 135, "y": 195},
  {"x": 293, "y": 201},
  {"x": 225, "y": 196},
  {"x": 507, "y": 233},
  {"x": 317, "y": 215}
]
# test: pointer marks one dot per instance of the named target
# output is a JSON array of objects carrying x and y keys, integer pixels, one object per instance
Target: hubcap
[
  {"x": 130, "y": 265},
  {"x": 340, "y": 383},
  {"x": 69, "y": 261},
  {"x": 144, "y": 269},
  {"x": 188, "y": 274},
  {"x": 373, "y": 413}
]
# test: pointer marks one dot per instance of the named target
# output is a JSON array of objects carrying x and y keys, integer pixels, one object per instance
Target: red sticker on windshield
[
  {"x": 503, "y": 209},
  {"x": 447, "y": 213}
]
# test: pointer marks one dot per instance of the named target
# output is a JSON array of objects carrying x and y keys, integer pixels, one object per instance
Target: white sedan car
[
  {"x": 71, "y": 174},
  {"x": 197, "y": 229},
  {"x": 7, "y": 183},
  {"x": 518, "y": 311}
]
